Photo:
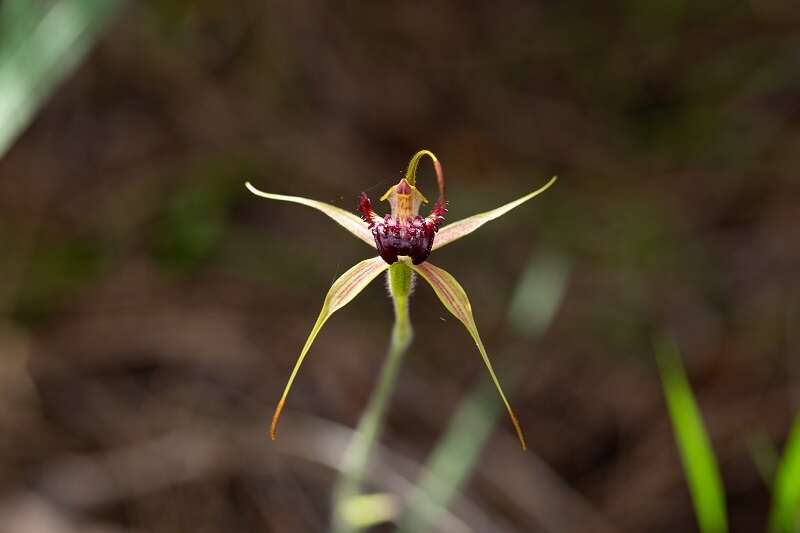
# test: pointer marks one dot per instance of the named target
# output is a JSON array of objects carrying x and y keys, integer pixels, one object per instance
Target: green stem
[{"x": 356, "y": 457}]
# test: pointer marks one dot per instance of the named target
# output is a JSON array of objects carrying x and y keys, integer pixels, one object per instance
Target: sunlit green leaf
[
  {"x": 786, "y": 488},
  {"x": 343, "y": 290},
  {"x": 34, "y": 60},
  {"x": 699, "y": 463},
  {"x": 456, "y": 230},
  {"x": 455, "y": 300},
  {"x": 346, "y": 219}
]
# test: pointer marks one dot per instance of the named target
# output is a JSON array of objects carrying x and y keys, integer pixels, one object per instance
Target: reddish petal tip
[{"x": 365, "y": 207}]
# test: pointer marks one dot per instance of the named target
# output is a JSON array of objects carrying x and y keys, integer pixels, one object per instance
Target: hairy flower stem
[{"x": 356, "y": 457}]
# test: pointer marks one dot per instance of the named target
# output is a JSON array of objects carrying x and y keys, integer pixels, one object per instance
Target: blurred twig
[
  {"x": 541, "y": 493},
  {"x": 206, "y": 449}
]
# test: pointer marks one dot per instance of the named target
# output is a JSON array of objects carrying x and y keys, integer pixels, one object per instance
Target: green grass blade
[
  {"x": 786, "y": 488},
  {"x": 699, "y": 463},
  {"x": 47, "y": 43},
  {"x": 452, "y": 461}
]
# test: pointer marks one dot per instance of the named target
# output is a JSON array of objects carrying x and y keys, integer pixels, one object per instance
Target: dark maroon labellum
[{"x": 412, "y": 237}]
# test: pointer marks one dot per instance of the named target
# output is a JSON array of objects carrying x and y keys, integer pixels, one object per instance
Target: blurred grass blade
[
  {"x": 539, "y": 294},
  {"x": 699, "y": 463},
  {"x": 451, "y": 463},
  {"x": 536, "y": 300},
  {"x": 17, "y": 20},
  {"x": 45, "y": 44},
  {"x": 786, "y": 488}
]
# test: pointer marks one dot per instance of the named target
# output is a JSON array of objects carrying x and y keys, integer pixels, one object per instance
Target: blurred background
[{"x": 151, "y": 308}]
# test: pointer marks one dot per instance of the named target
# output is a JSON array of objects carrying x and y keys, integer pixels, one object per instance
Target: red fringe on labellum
[{"x": 411, "y": 237}]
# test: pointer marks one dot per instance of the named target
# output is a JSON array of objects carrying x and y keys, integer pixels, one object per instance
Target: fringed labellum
[{"x": 404, "y": 231}]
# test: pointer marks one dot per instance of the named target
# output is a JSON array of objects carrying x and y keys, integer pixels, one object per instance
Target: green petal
[
  {"x": 453, "y": 297},
  {"x": 343, "y": 290},
  {"x": 456, "y": 230},
  {"x": 344, "y": 218}
]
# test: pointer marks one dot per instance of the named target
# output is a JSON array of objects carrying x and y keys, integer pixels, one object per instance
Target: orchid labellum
[{"x": 403, "y": 236}]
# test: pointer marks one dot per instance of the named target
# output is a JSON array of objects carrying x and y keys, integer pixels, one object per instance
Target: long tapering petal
[
  {"x": 343, "y": 290},
  {"x": 346, "y": 219},
  {"x": 456, "y": 230},
  {"x": 453, "y": 297}
]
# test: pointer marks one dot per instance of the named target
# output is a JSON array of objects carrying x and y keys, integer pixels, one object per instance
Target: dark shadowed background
[{"x": 151, "y": 308}]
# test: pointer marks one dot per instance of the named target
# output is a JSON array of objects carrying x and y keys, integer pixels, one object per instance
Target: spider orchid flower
[{"x": 406, "y": 237}]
